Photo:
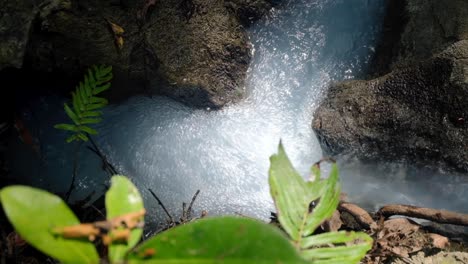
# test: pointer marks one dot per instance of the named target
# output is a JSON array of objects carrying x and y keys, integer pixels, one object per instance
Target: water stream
[{"x": 300, "y": 48}]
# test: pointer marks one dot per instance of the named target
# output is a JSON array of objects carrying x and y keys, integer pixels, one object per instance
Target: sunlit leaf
[
  {"x": 123, "y": 198},
  {"x": 302, "y": 206},
  {"x": 34, "y": 213},
  {"x": 218, "y": 240}
]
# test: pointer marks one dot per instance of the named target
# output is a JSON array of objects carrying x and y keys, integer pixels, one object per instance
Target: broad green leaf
[
  {"x": 330, "y": 248},
  {"x": 327, "y": 204},
  {"x": 123, "y": 198},
  {"x": 218, "y": 240},
  {"x": 34, "y": 213},
  {"x": 71, "y": 114},
  {"x": 292, "y": 195},
  {"x": 68, "y": 127}
]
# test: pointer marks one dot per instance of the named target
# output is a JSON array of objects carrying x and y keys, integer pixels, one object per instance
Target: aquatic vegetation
[
  {"x": 302, "y": 207},
  {"x": 85, "y": 103}
]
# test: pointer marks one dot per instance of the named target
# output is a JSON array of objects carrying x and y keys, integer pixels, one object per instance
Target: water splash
[{"x": 300, "y": 48}]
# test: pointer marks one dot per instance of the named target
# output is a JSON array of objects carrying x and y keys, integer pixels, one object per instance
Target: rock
[
  {"x": 415, "y": 30},
  {"x": 15, "y": 24},
  {"x": 418, "y": 110},
  {"x": 247, "y": 11},
  {"x": 196, "y": 51}
]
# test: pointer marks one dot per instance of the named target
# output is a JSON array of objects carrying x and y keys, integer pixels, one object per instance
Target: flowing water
[{"x": 300, "y": 48}]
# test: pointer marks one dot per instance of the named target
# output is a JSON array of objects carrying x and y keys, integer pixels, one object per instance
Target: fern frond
[{"x": 86, "y": 105}]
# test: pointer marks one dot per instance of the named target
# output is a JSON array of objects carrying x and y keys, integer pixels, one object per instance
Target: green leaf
[
  {"x": 91, "y": 114},
  {"x": 92, "y": 81},
  {"x": 293, "y": 197},
  {"x": 68, "y": 127},
  {"x": 82, "y": 137},
  {"x": 100, "y": 100},
  {"x": 91, "y": 120},
  {"x": 100, "y": 89},
  {"x": 81, "y": 91},
  {"x": 291, "y": 194},
  {"x": 317, "y": 248},
  {"x": 95, "y": 106},
  {"x": 72, "y": 138},
  {"x": 88, "y": 130},
  {"x": 85, "y": 103},
  {"x": 328, "y": 202},
  {"x": 218, "y": 240},
  {"x": 123, "y": 198},
  {"x": 34, "y": 213},
  {"x": 71, "y": 114},
  {"x": 77, "y": 105}
]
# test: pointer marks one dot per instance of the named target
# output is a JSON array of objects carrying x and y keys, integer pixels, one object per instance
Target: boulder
[
  {"x": 416, "y": 111},
  {"x": 195, "y": 51}
]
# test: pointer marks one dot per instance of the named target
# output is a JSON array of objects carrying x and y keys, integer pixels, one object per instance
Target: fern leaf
[
  {"x": 91, "y": 114},
  {"x": 85, "y": 104},
  {"x": 98, "y": 100},
  {"x": 95, "y": 106},
  {"x": 87, "y": 87},
  {"x": 82, "y": 137},
  {"x": 68, "y": 127},
  {"x": 82, "y": 94},
  {"x": 71, "y": 138},
  {"x": 71, "y": 114},
  {"x": 92, "y": 81},
  {"x": 100, "y": 89},
  {"x": 76, "y": 103},
  {"x": 88, "y": 130},
  {"x": 87, "y": 121}
]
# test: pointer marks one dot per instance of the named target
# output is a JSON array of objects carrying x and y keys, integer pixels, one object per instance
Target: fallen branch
[
  {"x": 439, "y": 216},
  {"x": 171, "y": 219},
  {"x": 360, "y": 215}
]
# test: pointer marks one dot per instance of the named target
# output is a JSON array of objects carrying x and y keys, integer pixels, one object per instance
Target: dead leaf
[
  {"x": 118, "y": 30},
  {"x": 439, "y": 241}
]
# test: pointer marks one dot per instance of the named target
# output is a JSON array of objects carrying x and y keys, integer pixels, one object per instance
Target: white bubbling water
[{"x": 300, "y": 48}]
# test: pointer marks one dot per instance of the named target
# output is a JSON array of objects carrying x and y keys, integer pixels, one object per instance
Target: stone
[
  {"x": 417, "y": 111},
  {"x": 196, "y": 51}
]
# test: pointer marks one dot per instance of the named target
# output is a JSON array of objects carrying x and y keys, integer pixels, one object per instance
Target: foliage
[
  {"x": 34, "y": 212},
  {"x": 293, "y": 198},
  {"x": 123, "y": 198},
  {"x": 214, "y": 240},
  {"x": 86, "y": 104},
  {"x": 218, "y": 240}
]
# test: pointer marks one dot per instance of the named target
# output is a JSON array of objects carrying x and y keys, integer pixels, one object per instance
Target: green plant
[
  {"x": 86, "y": 104},
  {"x": 57, "y": 232}
]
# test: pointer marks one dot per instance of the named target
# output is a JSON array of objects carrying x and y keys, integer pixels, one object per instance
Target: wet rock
[
  {"x": 196, "y": 51},
  {"x": 15, "y": 24},
  {"x": 248, "y": 11},
  {"x": 418, "y": 110}
]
